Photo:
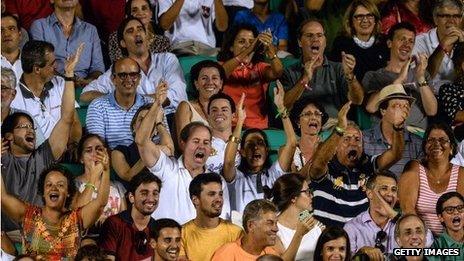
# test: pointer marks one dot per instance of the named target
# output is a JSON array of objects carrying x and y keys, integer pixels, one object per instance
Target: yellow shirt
[{"x": 199, "y": 243}]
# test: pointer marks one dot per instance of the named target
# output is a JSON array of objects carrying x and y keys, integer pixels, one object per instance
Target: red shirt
[
  {"x": 106, "y": 15},
  {"x": 250, "y": 80},
  {"x": 29, "y": 10},
  {"x": 118, "y": 237},
  {"x": 399, "y": 13}
]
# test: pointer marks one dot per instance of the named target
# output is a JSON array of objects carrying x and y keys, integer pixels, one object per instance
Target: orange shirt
[
  {"x": 249, "y": 79},
  {"x": 234, "y": 251}
]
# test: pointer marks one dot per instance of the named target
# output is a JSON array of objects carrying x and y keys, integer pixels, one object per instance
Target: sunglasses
[
  {"x": 379, "y": 238},
  {"x": 126, "y": 75},
  {"x": 450, "y": 209},
  {"x": 141, "y": 242}
]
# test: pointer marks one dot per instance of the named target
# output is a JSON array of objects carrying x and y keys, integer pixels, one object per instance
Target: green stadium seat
[{"x": 82, "y": 112}]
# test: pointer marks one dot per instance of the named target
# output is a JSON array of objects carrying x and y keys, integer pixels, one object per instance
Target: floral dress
[{"x": 48, "y": 241}]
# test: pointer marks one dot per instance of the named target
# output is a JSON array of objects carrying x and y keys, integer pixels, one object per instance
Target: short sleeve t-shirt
[{"x": 234, "y": 251}]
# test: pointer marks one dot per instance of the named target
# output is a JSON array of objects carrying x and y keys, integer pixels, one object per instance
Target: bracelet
[
  {"x": 282, "y": 113},
  {"x": 422, "y": 84},
  {"x": 234, "y": 139},
  {"x": 90, "y": 185},
  {"x": 69, "y": 79},
  {"x": 305, "y": 84},
  {"x": 398, "y": 128},
  {"x": 340, "y": 131},
  {"x": 273, "y": 57}
]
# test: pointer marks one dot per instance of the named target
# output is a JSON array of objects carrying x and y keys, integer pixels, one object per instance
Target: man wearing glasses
[
  {"x": 126, "y": 236},
  {"x": 439, "y": 42}
]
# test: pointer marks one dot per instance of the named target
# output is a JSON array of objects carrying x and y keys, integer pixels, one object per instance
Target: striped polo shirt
[
  {"x": 112, "y": 122},
  {"x": 339, "y": 195}
]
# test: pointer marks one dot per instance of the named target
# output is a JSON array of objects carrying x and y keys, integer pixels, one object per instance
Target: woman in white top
[
  {"x": 292, "y": 196},
  {"x": 308, "y": 117}
]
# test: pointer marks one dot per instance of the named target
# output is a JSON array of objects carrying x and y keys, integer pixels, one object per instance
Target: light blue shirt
[
  {"x": 106, "y": 118},
  {"x": 163, "y": 66},
  {"x": 91, "y": 60}
]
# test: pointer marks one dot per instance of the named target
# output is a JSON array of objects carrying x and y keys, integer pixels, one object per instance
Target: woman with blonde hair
[{"x": 361, "y": 38}]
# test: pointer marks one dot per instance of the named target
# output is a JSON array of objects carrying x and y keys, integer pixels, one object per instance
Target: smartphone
[{"x": 305, "y": 214}]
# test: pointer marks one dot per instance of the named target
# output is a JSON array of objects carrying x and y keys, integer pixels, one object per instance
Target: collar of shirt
[
  {"x": 378, "y": 136},
  {"x": 53, "y": 20},
  {"x": 12, "y": 64},
  {"x": 27, "y": 94},
  {"x": 126, "y": 217},
  {"x": 182, "y": 167},
  {"x": 139, "y": 100},
  {"x": 433, "y": 37},
  {"x": 450, "y": 242}
]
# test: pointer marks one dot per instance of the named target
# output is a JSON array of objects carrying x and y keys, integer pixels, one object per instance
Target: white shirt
[
  {"x": 174, "y": 201},
  {"x": 243, "y": 189},
  {"x": 46, "y": 112},
  {"x": 215, "y": 162},
  {"x": 194, "y": 23},
  {"x": 459, "y": 158},
  {"x": 16, "y": 67},
  {"x": 307, "y": 245},
  {"x": 427, "y": 43},
  {"x": 244, "y": 3},
  {"x": 163, "y": 66}
]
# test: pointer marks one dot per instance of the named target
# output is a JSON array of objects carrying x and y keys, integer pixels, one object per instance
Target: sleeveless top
[
  {"x": 195, "y": 115},
  {"x": 308, "y": 243},
  {"x": 427, "y": 199},
  {"x": 52, "y": 242}
]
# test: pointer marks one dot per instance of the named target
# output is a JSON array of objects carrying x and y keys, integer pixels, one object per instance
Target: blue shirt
[
  {"x": 112, "y": 122},
  {"x": 91, "y": 60},
  {"x": 275, "y": 21}
]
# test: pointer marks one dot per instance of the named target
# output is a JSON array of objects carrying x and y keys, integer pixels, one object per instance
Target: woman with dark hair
[
  {"x": 208, "y": 77},
  {"x": 451, "y": 95},
  {"x": 293, "y": 198},
  {"x": 308, "y": 117},
  {"x": 53, "y": 231},
  {"x": 361, "y": 38},
  {"x": 242, "y": 57},
  {"x": 255, "y": 171},
  {"x": 424, "y": 181},
  {"x": 141, "y": 9},
  {"x": 125, "y": 160},
  {"x": 416, "y": 12},
  {"x": 333, "y": 244},
  {"x": 91, "y": 151}
]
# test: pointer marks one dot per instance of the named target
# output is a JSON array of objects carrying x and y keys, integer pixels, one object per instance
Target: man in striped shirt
[{"x": 340, "y": 169}]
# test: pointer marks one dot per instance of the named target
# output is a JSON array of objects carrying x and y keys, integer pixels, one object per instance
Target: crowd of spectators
[{"x": 231, "y": 129}]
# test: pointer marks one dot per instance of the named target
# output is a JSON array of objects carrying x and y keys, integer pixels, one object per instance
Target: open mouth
[
  {"x": 256, "y": 156},
  {"x": 219, "y": 119},
  {"x": 315, "y": 49},
  {"x": 456, "y": 221},
  {"x": 173, "y": 252},
  {"x": 352, "y": 154},
  {"x": 313, "y": 124},
  {"x": 54, "y": 197},
  {"x": 138, "y": 40},
  {"x": 30, "y": 139},
  {"x": 199, "y": 155}
]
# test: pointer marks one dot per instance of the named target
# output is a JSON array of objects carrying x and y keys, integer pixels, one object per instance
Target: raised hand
[
  {"x": 159, "y": 113},
  {"x": 373, "y": 253},
  {"x": 382, "y": 206},
  {"x": 309, "y": 67},
  {"x": 306, "y": 225},
  {"x": 342, "y": 119},
  {"x": 279, "y": 94},
  {"x": 5, "y": 145},
  {"x": 421, "y": 66},
  {"x": 348, "y": 64},
  {"x": 103, "y": 159},
  {"x": 241, "y": 113},
  {"x": 399, "y": 117},
  {"x": 161, "y": 92},
  {"x": 453, "y": 35},
  {"x": 71, "y": 61},
  {"x": 404, "y": 72}
]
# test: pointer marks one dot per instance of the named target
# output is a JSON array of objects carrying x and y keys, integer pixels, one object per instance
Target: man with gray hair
[
  {"x": 8, "y": 95},
  {"x": 439, "y": 42}
]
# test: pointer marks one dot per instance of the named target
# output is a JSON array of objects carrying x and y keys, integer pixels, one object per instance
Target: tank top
[
  {"x": 195, "y": 115},
  {"x": 308, "y": 243},
  {"x": 427, "y": 199}
]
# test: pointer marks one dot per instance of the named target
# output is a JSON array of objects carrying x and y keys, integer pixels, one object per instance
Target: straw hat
[{"x": 393, "y": 91}]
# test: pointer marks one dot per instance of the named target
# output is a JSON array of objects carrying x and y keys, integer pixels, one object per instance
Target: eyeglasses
[
  {"x": 310, "y": 113},
  {"x": 450, "y": 209},
  {"x": 125, "y": 75},
  {"x": 25, "y": 126},
  {"x": 141, "y": 242},
  {"x": 450, "y": 16},
  {"x": 442, "y": 141},
  {"x": 361, "y": 17},
  {"x": 379, "y": 238},
  {"x": 6, "y": 88},
  {"x": 308, "y": 191}
]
